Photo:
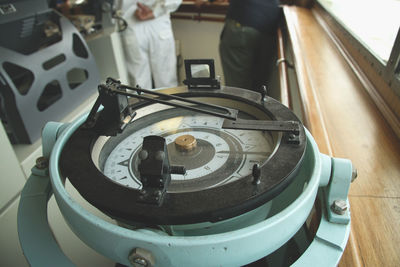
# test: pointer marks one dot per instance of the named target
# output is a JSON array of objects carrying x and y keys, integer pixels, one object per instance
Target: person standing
[
  {"x": 247, "y": 45},
  {"x": 149, "y": 42}
]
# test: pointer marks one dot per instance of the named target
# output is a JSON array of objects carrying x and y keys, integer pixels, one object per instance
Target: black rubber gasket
[{"x": 213, "y": 204}]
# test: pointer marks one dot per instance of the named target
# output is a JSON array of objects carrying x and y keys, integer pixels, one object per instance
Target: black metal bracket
[
  {"x": 292, "y": 127},
  {"x": 208, "y": 82},
  {"x": 281, "y": 126},
  {"x": 116, "y": 114},
  {"x": 155, "y": 170},
  {"x": 133, "y": 205}
]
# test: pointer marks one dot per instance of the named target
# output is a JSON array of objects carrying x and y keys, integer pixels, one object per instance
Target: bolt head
[
  {"x": 339, "y": 206},
  {"x": 42, "y": 163},
  {"x": 140, "y": 257},
  {"x": 139, "y": 262}
]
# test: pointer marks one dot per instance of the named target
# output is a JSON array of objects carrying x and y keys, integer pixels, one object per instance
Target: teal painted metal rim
[{"x": 222, "y": 249}]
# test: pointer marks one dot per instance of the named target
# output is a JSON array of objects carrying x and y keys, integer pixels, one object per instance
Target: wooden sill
[
  {"x": 377, "y": 80},
  {"x": 208, "y": 12},
  {"x": 346, "y": 123},
  {"x": 209, "y": 8}
]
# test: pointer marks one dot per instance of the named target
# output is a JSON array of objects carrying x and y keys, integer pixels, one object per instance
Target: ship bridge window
[
  {"x": 374, "y": 23},
  {"x": 369, "y": 31}
]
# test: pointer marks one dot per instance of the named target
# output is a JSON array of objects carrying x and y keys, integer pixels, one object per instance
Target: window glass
[{"x": 374, "y": 23}]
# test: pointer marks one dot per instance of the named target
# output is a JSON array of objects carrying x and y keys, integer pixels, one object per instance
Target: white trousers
[{"x": 150, "y": 53}]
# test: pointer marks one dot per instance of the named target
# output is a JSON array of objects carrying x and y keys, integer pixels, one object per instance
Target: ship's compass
[{"x": 182, "y": 156}]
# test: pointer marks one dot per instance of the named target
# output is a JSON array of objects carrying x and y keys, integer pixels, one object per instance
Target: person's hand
[{"x": 143, "y": 12}]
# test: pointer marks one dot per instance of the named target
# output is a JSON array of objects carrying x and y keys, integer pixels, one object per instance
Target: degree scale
[{"x": 193, "y": 176}]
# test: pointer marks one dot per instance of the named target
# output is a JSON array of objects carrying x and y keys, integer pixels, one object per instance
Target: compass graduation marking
[{"x": 253, "y": 148}]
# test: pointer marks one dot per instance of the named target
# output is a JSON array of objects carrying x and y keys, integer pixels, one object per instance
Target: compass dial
[
  {"x": 211, "y": 155},
  {"x": 218, "y": 184}
]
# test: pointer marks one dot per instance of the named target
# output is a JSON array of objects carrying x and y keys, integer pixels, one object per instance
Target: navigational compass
[{"x": 204, "y": 175}]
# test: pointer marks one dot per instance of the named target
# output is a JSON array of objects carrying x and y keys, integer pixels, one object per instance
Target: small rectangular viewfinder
[
  {"x": 200, "y": 74},
  {"x": 200, "y": 70}
]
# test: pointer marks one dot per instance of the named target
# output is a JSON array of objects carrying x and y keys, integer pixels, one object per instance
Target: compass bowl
[
  {"x": 238, "y": 235},
  {"x": 290, "y": 210},
  {"x": 220, "y": 182}
]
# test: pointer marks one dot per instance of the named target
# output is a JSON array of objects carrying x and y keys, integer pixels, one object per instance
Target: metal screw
[
  {"x": 160, "y": 155},
  {"x": 139, "y": 262},
  {"x": 138, "y": 91},
  {"x": 264, "y": 92},
  {"x": 354, "y": 174},
  {"x": 143, "y": 192},
  {"x": 143, "y": 154},
  {"x": 339, "y": 206},
  {"x": 42, "y": 163},
  {"x": 141, "y": 258}
]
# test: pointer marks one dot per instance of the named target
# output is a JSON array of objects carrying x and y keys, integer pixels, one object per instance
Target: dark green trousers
[{"x": 247, "y": 55}]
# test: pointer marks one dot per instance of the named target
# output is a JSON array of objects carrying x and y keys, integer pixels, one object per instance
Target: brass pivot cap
[{"x": 185, "y": 142}]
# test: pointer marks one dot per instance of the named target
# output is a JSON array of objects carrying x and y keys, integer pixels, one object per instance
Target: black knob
[{"x": 256, "y": 174}]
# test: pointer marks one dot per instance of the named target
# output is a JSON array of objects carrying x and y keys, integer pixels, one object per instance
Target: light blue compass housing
[{"x": 234, "y": 242}]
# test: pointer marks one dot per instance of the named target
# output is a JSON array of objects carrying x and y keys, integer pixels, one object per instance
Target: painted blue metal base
[{"x": 286, "y": 214}]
